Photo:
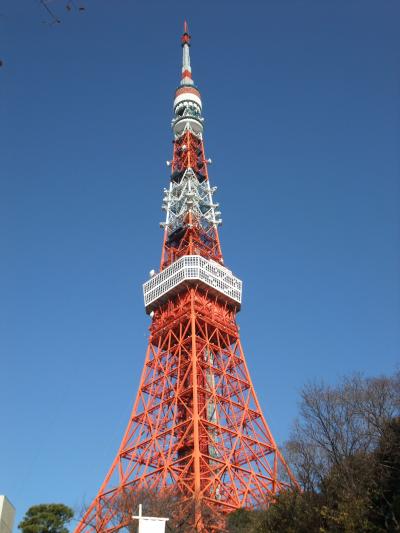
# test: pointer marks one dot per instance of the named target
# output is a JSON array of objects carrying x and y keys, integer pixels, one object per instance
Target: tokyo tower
[{"x": 196, "y": 424}]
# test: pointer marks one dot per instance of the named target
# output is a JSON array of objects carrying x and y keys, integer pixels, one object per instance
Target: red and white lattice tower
[{"x": 196, "y": 423}]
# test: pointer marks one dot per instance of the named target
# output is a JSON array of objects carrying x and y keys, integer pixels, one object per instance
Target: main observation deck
[{"x": 195, "y": 270}]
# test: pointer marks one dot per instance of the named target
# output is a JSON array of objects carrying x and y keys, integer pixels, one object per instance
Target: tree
[
  {"x": 385, "y": 511},
  {"x": 46, "y": 518},
  {"x": 293, "y": 512},
  {"x": 244, "y": 520},
  {"x": 345, "y": 451},
  {"x": 345, "y": 495},
  {"x": 336, "y": 423}
]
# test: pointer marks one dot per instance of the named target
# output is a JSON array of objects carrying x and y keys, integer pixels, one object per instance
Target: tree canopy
[{"x": 46, "y": 518}]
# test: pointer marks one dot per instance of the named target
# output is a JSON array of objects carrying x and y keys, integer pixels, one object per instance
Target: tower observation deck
[{"x": 196, "y": 430}]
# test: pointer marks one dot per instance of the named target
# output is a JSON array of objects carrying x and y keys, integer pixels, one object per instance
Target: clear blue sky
[{"x": 301, "y": 100}]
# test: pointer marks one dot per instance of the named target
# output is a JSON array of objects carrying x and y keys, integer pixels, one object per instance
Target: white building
[{"x": 7, "y": 515}]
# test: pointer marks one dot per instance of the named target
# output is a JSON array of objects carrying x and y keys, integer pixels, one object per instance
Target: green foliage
[
  {"x": 46, "y": 518},
  {"x": 244, "y": 520},
  {"x": 345, "y": 494},
  {"x": 293, "y": 512},
  {"x": 385, "y": 509}
]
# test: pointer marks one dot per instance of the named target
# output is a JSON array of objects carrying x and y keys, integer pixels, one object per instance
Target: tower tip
[
  {"x": 186, "y": 69},
  {"x": 185, "y": 36}
]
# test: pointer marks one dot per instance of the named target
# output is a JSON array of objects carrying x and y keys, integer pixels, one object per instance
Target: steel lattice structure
[{"x": 196, "y": 424}]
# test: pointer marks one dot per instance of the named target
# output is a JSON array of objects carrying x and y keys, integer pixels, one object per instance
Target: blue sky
[{"x": 301, "y": 100}]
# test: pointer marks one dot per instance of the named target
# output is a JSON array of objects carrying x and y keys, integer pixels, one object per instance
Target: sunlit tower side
[{"x": 196, "y": 425}]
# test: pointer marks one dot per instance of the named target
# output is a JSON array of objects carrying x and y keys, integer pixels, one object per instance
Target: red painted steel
[{"x": 196, "y": 423}]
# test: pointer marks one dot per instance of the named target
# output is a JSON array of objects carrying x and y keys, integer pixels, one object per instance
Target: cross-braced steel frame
[{"x": 196, "y": 423}]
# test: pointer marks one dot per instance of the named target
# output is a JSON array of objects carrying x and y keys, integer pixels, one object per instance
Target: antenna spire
[{"x": 186, "y": 69}]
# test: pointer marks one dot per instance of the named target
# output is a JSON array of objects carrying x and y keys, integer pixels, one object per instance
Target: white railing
[{"x": 191, "y": 268}]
